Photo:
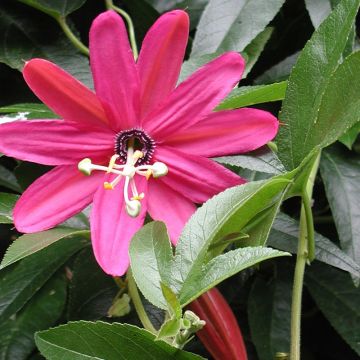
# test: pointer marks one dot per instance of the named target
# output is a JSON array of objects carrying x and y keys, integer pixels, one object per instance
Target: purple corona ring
[{"x": 136, "y": 144}]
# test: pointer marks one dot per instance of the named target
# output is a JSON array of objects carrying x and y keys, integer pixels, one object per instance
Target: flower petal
[
  {"x": 55, "y": 142},
  {"x": 114, "y": 71},
  {"x": 112, "y": 228},
  {"x": 53, "y": 198},
  {"x": 167, "y": 205},
  {"x": 195, "y": 177},
  {"x": 227, "y": 132},
  {"x": 64, "y": 94},
  {"x": 160, "y": 59},
  {"x": 196, "y": 96}
]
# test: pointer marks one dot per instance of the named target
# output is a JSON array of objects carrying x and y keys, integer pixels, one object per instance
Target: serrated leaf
[
  {"x": 232, "y": 25},
  {"x": 29, "y": 111},
  {"x": 7, "y": 203},
  {"x": 313, "y": 107},
  {"x": 44, "y": 309},
  {"x": 340, "y": 171},
  {"x": 99, "y": 340},
  {"x": 332, "y": 291},
  {"x": 284, "y": 236},
  {"x": 8, "y": 179},
  {"x": 262, "y": 160},
  {"x": 29, "y": 244},
  {"x": 20, "y": 282},
  {"x": 55, "y": 8},
  {"x": 251, "y": 95},
  {"x": 269, "y": 314}
]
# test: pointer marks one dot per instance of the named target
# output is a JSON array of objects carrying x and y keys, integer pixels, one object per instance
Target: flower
[{"x": 135, "y": 127}]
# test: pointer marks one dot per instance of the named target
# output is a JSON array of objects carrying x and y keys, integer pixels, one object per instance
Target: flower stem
[
  {"x": 71, "y": 36},
  {"x": 110, "y": 5},
  {"x": 305, "y": 252},
  {"x": 138, "y": 305}
]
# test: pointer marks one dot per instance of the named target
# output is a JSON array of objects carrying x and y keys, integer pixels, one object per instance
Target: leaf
[
  {"x": 99, "y": 340},
  {"x": 29, "y": 244},
  {"x": 29, "y": 111},
  {"x": 20, "y": 282},
  {"x": 91, "y": 291},
  {"x": 8, "y": 179},
  {"x": 169, "y": 328},
  {"x": 332, "y": 291},
  {"x": 255, "y": 48},
  {"x": 262, "y": 160},
  {"x": 172, "y": 301},
  {"x": 27, "y": 172},
  {"x": 150, "y": 258},
  {"x": 251, "y": 95},
  {"x": 24, "y": 37},
  {"x": 313, "y": 107},
  {"x": 318, "y": 10},
  {"x": 269, "y": 312},
  {"x": 55, "y": 8},
  {"x": 350, "y": 136},
  {"x": 340, "y": 171},
  {"x": 232, "y": 25},
  {"x": 7, "y": 203},
  {"x": 284, "y": 236},
  {"x": 44, "y": 309}
]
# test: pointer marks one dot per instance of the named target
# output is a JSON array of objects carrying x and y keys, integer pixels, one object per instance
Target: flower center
[
  {"x": 139, "y": 140},
  {"x": 133, "y": 152}
]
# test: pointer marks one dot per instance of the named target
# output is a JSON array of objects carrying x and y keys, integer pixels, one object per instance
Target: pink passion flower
[{"x": 142, "y": 141}]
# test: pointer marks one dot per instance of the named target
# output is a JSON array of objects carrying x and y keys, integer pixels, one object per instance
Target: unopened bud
[
  {"x": 133, "y": 208},
  {"x": 159, "y": 169},
  {"x": 85, "y": 167}
]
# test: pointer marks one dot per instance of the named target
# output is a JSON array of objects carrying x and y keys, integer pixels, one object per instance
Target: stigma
[{"x": 132, "y": 167}]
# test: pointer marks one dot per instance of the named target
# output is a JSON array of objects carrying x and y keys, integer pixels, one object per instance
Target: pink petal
[
  {"x": 65, "y": 95},
  {"x": 53, "y": 198},
  {"x": 169, "y": 206},
  {"x": 160, "y": 59},
  {"x": 196, "y": 96},
  {"x": 55, "y": 142},
  {"x": 114, "y": 71},
  {"x": 227, "y": 132},
  {"x": 112, "y": 228},
  {"x": 195, "y": 177}
]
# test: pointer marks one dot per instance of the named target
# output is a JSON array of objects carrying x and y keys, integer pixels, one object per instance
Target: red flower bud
[{"x": 221, "y": 335}]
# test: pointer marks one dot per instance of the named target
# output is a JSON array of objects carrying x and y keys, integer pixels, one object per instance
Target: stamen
[{"x": 112, "y": 163}]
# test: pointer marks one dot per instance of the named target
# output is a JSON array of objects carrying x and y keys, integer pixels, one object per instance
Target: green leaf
[
  {"x": 338, "y": 299},
  {"x": 350, "y": 136},
  {"x": 28, "y": 111},
  {"x": 232, "y": 25},
  {"x": 169, "y": 328},
  {"x": 7, "y": 203},
  {"x": 284, "y": 236},
  {"x": 99, "y": 340},
  {"x": 340, "y": 171},
  {"x": 262, "y": 160},
  {"x": 150, "y": 257},
  {"x": 27, "y": 172},
  {"x": 269, "y": 312},
  {"x": 255, "y": 48},
  {"x": 55, "y": 8},
  {"x": 251, "y": 95},
  {"x": 172, "y": 301},
  {"x": 20, "y": 282},
  {"x": 24, "y": 37},
  {"x": 8, "y": 179},
  {"x": 29, "y": 244},
  {"x": 44, "y": 309},
  {"x": 313, "y": 107}
]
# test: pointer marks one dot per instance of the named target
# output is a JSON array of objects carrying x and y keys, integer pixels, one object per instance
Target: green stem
[
  {"x": 110, "y": 5},
  {"x": 305, "y": 246},
  {"x": 71, "y": 36},
  {"x": 139, "y": 307}
]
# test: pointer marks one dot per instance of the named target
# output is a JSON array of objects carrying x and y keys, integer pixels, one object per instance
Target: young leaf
[
  {"x": 307, "y": 124},
  {"x": 29, "y": 244},
  {"x": 232, "y": 25},
  {"x": 7, "y": 203},
  {"x": 332, "y": 291},
  {"x": 269, "y": 314},
  {"x": 340, "y": 172},
  {"x": 172, "y": 301},
  {"x": 284, "y": 236},
  {"x": 100, "y": 340},
  {"x": 29, "y": 111},
  {"x": 44, "y": 309}
]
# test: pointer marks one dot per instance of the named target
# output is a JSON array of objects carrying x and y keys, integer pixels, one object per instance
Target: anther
[
  {"x": 159, "y": 169},
  {"x": 112, "y": 163},
  {"x": 85, "y": 166},
  {"x": 133, "y": 208}
]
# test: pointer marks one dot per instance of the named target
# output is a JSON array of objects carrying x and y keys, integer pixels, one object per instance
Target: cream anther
[
  {"x": 159, "y": 169},
  {"x": 133, "y": 208},
  {"x": 85, "y": 166}
]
